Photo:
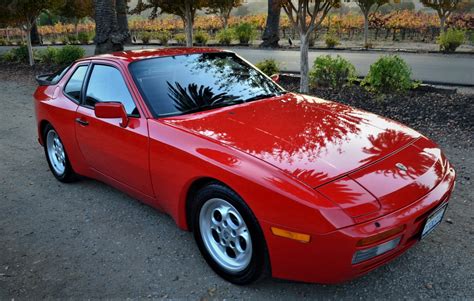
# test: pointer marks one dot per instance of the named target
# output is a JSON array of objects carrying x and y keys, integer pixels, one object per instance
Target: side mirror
[
  {"x": 275, "y": 77},
  {"x": 111, "y": 110}
]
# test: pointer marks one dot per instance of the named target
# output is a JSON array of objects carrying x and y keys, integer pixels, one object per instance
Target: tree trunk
[
  {"x": 366, "y": 29},
  {"x": 188, "y": 23},
  {"x": 76, "y": 27},
  {"x": 107, "y": 36},
  {"x": 35, "y": 37},
  {"x": 304, "y": 66},
  {"x": 442, "y": 21},
  {"x": 271, "y": 35},
  {"x": 122, "y": 21},
  {"x": 28, "y": 44},
  {"x": 225, "y": 21}
]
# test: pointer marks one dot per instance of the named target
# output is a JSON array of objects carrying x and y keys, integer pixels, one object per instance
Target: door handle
[{"x": 82, "y": 122}]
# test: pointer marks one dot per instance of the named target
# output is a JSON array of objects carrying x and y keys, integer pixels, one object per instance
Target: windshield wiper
[
  {"x": 212, "y": 106},
  {"x": 261, "y": 96}
]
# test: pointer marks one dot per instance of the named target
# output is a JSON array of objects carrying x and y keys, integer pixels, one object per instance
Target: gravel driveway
[{"x": 88, "y": 240}]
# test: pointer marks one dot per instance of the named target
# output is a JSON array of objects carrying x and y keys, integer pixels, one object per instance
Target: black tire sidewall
[
  {"x": 68, "y": 175},
  {"x": 258, "y": 266}
]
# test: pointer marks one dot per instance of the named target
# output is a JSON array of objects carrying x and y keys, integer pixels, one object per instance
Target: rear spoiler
[
  {"x": 45, "y": 80},
  {"x": 51, "y": 78}
]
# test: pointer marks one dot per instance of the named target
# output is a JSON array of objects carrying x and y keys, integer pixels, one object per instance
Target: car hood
[{"x": 311, "y": 139}]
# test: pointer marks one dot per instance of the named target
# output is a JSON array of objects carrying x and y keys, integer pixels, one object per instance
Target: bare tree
[
  {"x": 185, "y": 9},
  {"x": 271, "y": 34},
  {"x": 223, "y": 8},
  {"x": 444, "y": 8},
  {"x": 366, "y": 6},
  {"x": 305, "y": 16}
]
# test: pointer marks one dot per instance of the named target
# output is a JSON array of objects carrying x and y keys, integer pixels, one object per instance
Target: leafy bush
[
  {"x": 145, "y": 36},
  {"x": 388, "y": 74},
  {"x": 72, "y": 38},
  {"x": 48, "y": 55},
  {"x": 245, "y": 32},
  {"x": 332, "y": 72},
  {"x": 331, "y": 40},
  {"x": 163, "y": 36},
  {"x": 64, "y": 40},
  {"x": 201, "y": 37},
  {"x": 53, "y": 40},
  {"x": 225, "y": 36},
  {"x": 68, "y": 54},
  {"x": 19, "y": 54},
  {"x": 84, "y": 37},
  {"x": 268, "y": 66},
  {"x": 8, "y": 56},
  {"x": 3, "y": 42},
  {"x": 450, "y": 40},
  {"x": 180, "y": 38}
]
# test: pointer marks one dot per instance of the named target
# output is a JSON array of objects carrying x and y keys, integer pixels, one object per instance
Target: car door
[{"x": 120, "y": 153}]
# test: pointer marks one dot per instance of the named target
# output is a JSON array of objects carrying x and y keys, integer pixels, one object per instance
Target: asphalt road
[
  {"x": 87, "y": 240},
  {"x": 456, "y": 69}
]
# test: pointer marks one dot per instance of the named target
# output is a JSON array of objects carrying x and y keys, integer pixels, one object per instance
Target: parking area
[{"x": 88, "y": 240}]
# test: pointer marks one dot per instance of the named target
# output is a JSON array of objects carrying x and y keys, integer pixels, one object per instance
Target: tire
[
  {"x": 56, "y": 156},
  {"x": 228, "y": 235}
]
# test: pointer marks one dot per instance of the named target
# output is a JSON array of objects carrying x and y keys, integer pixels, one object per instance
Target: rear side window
[
  {"x": 74, "y": 85},
  {"x": 55, "y": 77},
  {"x": 106, "y": 84}
]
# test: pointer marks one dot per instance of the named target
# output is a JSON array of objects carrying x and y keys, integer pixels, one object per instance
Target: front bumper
[{"x": 328, "y": 258}]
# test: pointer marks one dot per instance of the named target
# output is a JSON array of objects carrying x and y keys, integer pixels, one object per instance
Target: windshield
[{"x": 181, "y": 84}]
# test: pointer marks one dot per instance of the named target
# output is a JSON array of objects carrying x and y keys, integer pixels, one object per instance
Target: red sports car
[{"x": 270, "y": 182}]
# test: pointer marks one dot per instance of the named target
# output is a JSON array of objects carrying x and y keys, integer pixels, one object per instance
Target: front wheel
[
  {"x": 228, "y": 235},
  {"x": 56, "y": 156}
]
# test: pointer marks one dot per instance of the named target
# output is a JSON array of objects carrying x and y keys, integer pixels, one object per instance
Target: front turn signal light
[
  {"x": 380, "y": 236},
  {"x": 301, "y": 237}
]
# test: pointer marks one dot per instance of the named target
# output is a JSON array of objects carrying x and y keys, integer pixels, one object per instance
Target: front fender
[{"x": 179, "y": 158}]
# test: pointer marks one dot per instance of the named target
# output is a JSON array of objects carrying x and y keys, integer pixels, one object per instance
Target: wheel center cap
[{"x": 226, "y": 234}]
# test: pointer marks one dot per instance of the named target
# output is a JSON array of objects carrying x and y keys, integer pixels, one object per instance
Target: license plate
[{"x": 433, "y": 220}]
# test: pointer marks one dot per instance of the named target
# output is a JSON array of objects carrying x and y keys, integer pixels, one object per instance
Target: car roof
[{"x": 136, "y": 55}]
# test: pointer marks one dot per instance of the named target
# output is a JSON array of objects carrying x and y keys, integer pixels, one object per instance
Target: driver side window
[{"x": 106, "y": 84}]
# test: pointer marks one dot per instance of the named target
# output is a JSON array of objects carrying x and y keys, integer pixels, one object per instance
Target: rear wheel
[
  {"x": 228, "y": 235},
  {"x": 56, "y": 156}
]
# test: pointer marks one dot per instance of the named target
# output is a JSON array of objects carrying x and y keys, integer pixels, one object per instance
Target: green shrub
[
  {"x": 388, "y": 74},
  {"x": 145, "y": 36},
  {"x": 47, "y": 55},
  {"x": 84, "y": 37},
  {"x": 3, "y": 42},
  {"x": 245, "y": 32},
  {"x": 225, "y": 36},
  {"x": 72, "y": 38},
  {"x": 64, "y": 40},
  {"x": 163, "y": 36},
  {"x": 68, "y": 54},
  {"x": 450, "y": 40},
  {"x": 331, "y": 40},
  {"x": 201, "y": 37},
  {"x": 180, "y": 38},
  {"x": 8, "y": 56},
  {"x": 19, "y": 54},
  {"x": 268, "y": 66},
  {"x": 332, "y": 72}
]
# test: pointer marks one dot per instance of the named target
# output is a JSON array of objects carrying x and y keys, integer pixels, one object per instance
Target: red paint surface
[{"x": 300, "y": 163}]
